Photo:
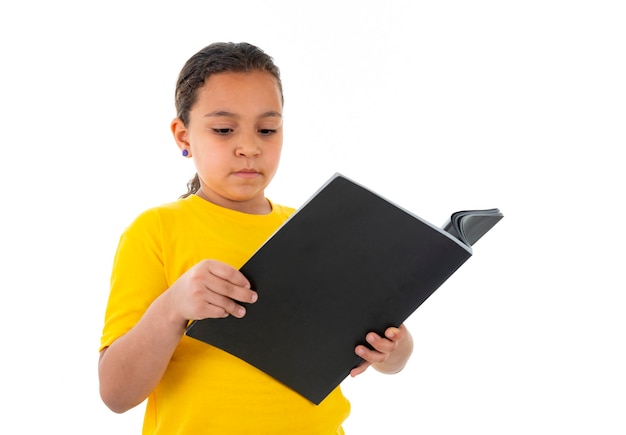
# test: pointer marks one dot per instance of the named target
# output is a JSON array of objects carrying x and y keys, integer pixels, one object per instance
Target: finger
[
  {"x": 242, "y": 293},
  {"x": 228, "y": 306},
  {"x": 360, "y": 369},
  {"x": 369, "y": 355},
  {"x": 228, "y": 273},
  {"x": 214, "y": 312},
  {"x": 220, "y": 290},
  {"x": 393, "y": 334},
  {"x": 381, "y": 344},
  {"x": 396, "y": 334}
]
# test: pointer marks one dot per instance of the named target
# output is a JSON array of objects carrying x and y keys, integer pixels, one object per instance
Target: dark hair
[{"x": 217, "y": 58}]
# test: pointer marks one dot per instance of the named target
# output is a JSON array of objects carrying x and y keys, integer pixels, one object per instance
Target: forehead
[{"x": 235, "y": 88}]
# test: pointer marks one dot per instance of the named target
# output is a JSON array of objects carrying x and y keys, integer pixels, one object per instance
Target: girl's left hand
[{"x": 389, "y": 354}]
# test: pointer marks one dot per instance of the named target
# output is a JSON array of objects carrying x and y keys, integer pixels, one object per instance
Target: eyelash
[{"x": 227, "y": 131}]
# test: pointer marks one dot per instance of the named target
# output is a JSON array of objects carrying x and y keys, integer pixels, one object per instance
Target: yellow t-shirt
[{"x": 205, "y": 390}]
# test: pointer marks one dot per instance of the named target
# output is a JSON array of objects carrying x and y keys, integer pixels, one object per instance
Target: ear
[{"x": 181, "y": 135}]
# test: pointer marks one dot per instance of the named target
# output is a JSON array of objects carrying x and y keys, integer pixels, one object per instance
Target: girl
[{"x": 179, "y": 262}]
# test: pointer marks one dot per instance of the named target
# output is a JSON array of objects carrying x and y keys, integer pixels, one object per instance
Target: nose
[{"x": 248, "y": 146}]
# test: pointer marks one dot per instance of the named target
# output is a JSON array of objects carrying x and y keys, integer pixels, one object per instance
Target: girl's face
[{"x": 235, "y": 136}]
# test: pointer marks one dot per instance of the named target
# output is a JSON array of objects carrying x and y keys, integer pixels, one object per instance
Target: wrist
[{"x": 165, "y": 309}]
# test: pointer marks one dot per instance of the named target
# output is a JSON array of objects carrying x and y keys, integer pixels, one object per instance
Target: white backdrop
[{"x": 438, "y": 106}]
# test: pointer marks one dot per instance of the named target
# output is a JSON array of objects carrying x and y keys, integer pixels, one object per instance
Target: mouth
[{"x": 247, "y": 173}]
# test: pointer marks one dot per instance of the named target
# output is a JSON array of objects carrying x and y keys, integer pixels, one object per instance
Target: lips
[{"x": 247, "y": 173}]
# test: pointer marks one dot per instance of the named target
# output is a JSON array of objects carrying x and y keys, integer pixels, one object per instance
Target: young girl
[{"x": 179, "y": 262}]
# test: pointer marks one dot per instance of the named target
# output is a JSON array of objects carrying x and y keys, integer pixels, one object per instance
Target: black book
[{"x": 346, "y": 263}]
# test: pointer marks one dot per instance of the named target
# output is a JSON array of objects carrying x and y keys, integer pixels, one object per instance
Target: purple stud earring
[{"x": 185, "y": 153}]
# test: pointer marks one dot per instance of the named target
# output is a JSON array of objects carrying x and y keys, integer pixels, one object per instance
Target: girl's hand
[
  {"x": 389, "y": 354},
  {"x": 210, "y": 289}
]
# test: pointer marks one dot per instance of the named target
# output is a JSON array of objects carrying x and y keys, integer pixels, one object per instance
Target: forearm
[{"x": 132, "y": 366}]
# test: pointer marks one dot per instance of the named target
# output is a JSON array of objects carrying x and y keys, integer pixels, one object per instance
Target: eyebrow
[{"x": 226, "y": 114}]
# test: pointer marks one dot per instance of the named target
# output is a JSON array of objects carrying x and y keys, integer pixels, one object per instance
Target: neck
[{"x": 250, "y": 207}]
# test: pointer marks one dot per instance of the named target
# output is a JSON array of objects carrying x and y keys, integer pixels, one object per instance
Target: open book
[{"x": 346, "y": 263}]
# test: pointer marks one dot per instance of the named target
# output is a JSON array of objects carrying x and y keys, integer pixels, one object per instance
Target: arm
[
  {"x": 390, "y": 353},
  {"x": 131, "y": 367}
]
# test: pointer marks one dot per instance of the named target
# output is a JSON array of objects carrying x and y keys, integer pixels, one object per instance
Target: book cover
[{"x": 346, "y": 263}]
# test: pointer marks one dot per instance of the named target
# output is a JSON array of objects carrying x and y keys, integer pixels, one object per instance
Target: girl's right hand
[{"x": 210, "y": 289}]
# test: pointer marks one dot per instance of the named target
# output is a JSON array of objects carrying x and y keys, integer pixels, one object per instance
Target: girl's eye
[
  {"x": 223, "y": 131},
  {"x": 267, "y": 131}
]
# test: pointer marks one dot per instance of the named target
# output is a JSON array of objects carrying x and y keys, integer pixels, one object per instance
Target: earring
[{"x": 185, "y": 153}]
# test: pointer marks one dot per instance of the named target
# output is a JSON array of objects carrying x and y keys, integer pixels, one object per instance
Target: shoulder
[{"x": 154, "y": 217}]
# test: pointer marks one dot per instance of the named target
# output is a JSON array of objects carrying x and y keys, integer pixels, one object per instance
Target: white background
[{"x": 438, "y": 106}]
